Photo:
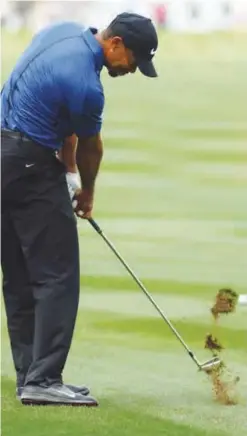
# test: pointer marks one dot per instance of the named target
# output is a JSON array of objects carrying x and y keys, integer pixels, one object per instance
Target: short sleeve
[
  {"x": 85, "y": 103},
  {"x": 83, "y": 97},
  {"x": 91, "y": 120}
]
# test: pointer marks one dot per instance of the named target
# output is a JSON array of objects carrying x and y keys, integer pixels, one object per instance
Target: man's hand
[{"x": 83, "y": 203}]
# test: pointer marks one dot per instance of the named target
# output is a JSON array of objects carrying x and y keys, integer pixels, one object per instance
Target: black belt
[
  {"x": 13, "y": 134},
  {"x": 19, "y": 136}
]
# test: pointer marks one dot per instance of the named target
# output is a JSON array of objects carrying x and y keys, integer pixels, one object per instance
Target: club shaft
[{"x": 140, "y": 284}]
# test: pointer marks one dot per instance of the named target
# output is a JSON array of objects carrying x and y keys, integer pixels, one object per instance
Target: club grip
[{"x": 95, "y": 225}]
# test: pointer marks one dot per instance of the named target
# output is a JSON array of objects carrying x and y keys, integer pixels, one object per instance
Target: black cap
[{"x": 139, "y": 35}]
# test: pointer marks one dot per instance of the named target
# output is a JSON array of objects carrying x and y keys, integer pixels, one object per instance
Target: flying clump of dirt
[
  {"x": 213, "y": 343},
  {"x": 223, "y": 383},
  {"x": 225, "y": 302}
]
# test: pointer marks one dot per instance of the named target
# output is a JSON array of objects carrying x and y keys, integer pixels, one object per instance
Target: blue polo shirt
[{"x": 55, "y": 89}]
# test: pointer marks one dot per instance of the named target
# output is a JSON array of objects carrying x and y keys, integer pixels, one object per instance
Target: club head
[{"x": 210, "y": 365}]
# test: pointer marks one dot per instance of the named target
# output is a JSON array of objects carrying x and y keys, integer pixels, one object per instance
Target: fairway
[{"x": 171, "y": 195}]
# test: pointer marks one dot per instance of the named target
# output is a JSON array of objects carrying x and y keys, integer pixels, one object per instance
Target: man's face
[{"x": 119, "y": 59}]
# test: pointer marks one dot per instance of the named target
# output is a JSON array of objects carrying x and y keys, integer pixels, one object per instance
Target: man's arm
[
  {"x": 88, "y": 158},
  {"x": 86, "y": 105},
  {"x": 67, "y": 154}
]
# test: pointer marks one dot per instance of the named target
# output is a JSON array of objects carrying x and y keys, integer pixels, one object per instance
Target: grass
[
  {"x": 171, "y": 195},
  {"x": 111, "y": 419}
]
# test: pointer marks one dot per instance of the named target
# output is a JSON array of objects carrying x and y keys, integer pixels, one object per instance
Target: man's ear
[{"x": 116, "y": 41}]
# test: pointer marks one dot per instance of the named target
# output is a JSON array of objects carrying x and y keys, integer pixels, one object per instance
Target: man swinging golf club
[{"x": 52, "y": 103}]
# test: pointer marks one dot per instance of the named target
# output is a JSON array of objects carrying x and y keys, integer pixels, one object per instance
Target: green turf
[
  {"x": 112, "y": 419},
  {"x": 171, "y": 195}
]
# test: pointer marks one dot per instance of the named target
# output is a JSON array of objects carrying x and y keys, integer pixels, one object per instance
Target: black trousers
[{"x": 40, "y": 260}]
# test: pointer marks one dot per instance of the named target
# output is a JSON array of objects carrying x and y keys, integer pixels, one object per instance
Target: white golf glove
[{"x": 74, "y": 183}]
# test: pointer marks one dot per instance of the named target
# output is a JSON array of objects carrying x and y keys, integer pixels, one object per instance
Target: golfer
[{"x": 51, "y": 118}]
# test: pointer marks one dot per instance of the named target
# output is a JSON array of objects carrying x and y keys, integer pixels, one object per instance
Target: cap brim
[{"x": 147, "y": 68}]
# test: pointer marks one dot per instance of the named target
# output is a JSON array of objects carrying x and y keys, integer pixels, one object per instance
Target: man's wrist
[
  {"x": 89, "y": 189},
  {"x": 71, "y": 169}
]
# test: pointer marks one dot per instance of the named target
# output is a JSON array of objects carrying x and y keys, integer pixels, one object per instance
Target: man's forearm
[
  {"x": 67, "y": 154},
  {"x": 88, "y": 157}
]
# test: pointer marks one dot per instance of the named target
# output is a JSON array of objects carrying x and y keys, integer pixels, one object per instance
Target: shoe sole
[
  {"x": 29, "y": 402},
  {"x": 83, "y": 392}
]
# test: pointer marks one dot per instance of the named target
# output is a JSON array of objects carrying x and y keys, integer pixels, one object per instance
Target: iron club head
[{"x": 210, "y": 364}]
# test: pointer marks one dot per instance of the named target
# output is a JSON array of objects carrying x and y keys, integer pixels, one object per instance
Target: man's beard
[
  {"x": 117, "y": 72},
  {"x": 112, "y": 73}
]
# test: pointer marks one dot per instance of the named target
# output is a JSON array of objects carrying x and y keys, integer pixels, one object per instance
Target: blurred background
[
  {"x": 171, "y": 195},
  {"x": 173, "y": 15}
]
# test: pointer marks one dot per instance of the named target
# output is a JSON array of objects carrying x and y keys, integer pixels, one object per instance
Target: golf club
[{"x": 206, "y": 366}]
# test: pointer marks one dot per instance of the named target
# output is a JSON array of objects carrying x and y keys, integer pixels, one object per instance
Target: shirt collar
[{"x": 95, "y": 47}]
